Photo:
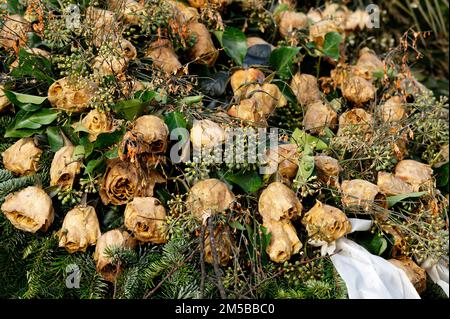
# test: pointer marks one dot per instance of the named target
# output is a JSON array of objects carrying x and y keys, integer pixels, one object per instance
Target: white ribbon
[{"x": 438, "y": 272}]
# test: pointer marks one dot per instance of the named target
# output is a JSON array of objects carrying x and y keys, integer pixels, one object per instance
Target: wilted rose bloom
[
  {"x": 251, "y": 41},
  {"x": 305, "y": 88},
  {"x": 416, "y": 275},
  {"x": 111, "y": 240},
  {"x": 241, "y": 79},
  {"x": 133, "y": 12},
  {"x": 205, "y": 3},
  {"x": 319, "y": 116},
  {"x": 318, "y": 30},
  {"x": 71, "y": 97},
  {"x": 145, "y": 217},
  {"x": 163, "y": 56},
  {"x": 414, "y": 173},
  {"x": 358, "y": 90},
  {"x": 203, "y": 51},
  {"x": 326, "y": 223},
  {"x": 284, "y": 160},
  {"x": 247, "y": 110},
  {"x": 389, "y": 184},
  {"x": 328, "y": 169},
  {"x": 284, "y": 241},
  {"x": 368, "y": 63},
  {"x": 356, "y": 120},
  {"x": 110, "y": 65},
  {"x": 80, "y": 229},
  {"x": 154, "y": 132},
  {"x": 290, "y": 21},
  {"x": 209, "y": 197},
  {"x": 103, "y": 23},
  {"x": 358, "y": 192},
  {"x": 393, "y": 110},
  {"x": 181, "y": 12},
  {"x": 267, "y": 97},
  {"x": 97, "y": 122},
  {"x": 222, "y": 244},
  {"x": 359, "y": 19},
  {"x": 277, "y": 202},
  {"x": 30, "y": 209},
  {"x": 22, "y": 157},
  {"x": 64, "y": 167},
  {"x": 13, "y": 32},
  {"x": 206, "y": 134}
]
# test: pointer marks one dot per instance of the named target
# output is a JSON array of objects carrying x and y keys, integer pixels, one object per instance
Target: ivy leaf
[
  {"x": 234, "y": 43},
  {"x": 93, "y": 164},
  {"x": 301, "y": 138},
  {"x": 392, "y": 200},
  {"x": 87, "y": 145},
  {"x": 282, "y": 60},
  {"x": 249, "y": 181},
  {"x": 236, "y": 225},
  {"x": 54, "y": 138},
  {"x": 331, "y": 45},
  {"x": 129, "y": 109},
  {"x": 175, "y": 120},
  {"x": 106, "y": 140}
]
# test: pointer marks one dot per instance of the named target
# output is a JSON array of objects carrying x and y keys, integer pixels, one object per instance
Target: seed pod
[
  {"x": 358, "y": 192},
  {"x": 209, "y": 197},
  {"x": 71, "y": 97},
  {"x": 145, "y": 217},
  {"x": 223, "y": 245},
  {"x": 278, "y": 202},
  {"x": 356, "y": 121},
  {"x": 328, "y": 169},
  {"x": 22, "y": 157},
  {"x": 393, "y": 110},
  {"x": 111, "y": 240},
  {"x": 13, "y": 33},
  {"x": 30, "y": 209},
  {"x": 284, "y": 241},
  {"x": 305, "y": 88},
  {"x": 153, "y": 131},
  {"x": 416, "y": 275},
  {"x": 368, "y": 63},
  {"x": 414, "y": 173},
  {"x": 241, "y": 79},
  {"x": 290, "y": 21},
  {"x": 206, "y": 134},
  {"x": 326, "y": 223},
  {"x": 80, "y": 229},
  {"x": 359, "y": 19},
  {"x": 4, "y": 101},
  {"x": 358, "y": 90},
  {"x": 203, "y": 51},
  {"x": 247, "y": 111},
  {"x": 389, "y": 184},
  {"x": 318, "y": 116},
  {"x": 97, "y": 122},
  {"x": 284, "y": 160},
  {"x": 64, "y": 167},
  {"x": 163, "y": 56}
]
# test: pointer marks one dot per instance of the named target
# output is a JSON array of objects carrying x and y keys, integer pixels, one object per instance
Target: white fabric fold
[{"x": 438, "y": 273}]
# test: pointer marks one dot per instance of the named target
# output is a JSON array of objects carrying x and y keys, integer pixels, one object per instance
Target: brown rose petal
[{"x": 22, "y": 157}]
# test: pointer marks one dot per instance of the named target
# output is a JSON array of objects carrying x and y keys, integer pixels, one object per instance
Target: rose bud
[
  {"x": 4, "y": 101},
  {"x": 389, "y": 184},
  {"x": 112, "y": 239},
  {"x": 328, "y": 169},
  {"x": 358, "y": 192},
  {"x": 277, "y": 202},
  {"x": 97, "y": 122},
  {"x": 369, "y": 63},
  {"x": 358, "y": 90},
  {"x": 247, "y": 111},
  {"x": 355, "y": 121},
  {"x": 290, "y": 21},
  {"x": 22, "y": 157},
  {"x": 222, "y": 243},
  {"x": 414, "y": 173},
  {"x": 30, "y": 209},
  {"x": 71, "y": 97},
  {"x": 153, "y": 131},
  {"x": 326, "y": 223},
  {"x": 206, "y": 134},
  {"x": 80, "y": 229},
  {"x": 393, "y": 110},
  {"x": 64, "y": 168},
  {"x": 163, "y": 56},
  {"x": 283, "y": 159},
  {"x": 358, "y": 19},
  {"x": 318, "y": 116},
  {"x": 145, "y": 217},
  {"x": 203, "y": 51},
  {"x": 416, "y": 275},
  {"x": 241, "y": 79},
  {"x": 284, "y": 241},
  {"x": 13, "y": 33},
  {"x": 267, "y": 97},
  {"x": 305, "y": 88},
  {"x": 209, "y": 197}
]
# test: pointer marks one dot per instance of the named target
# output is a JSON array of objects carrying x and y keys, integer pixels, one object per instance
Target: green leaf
[
  {"x": 145, "y": 95},
  {"x": 129, "y": 109},
  {"x": 175, "y": 120},
  {"x": 93, "y": 164},
  {"x": 301, "y": 138},
  {"x": 30, "y": 121},
  {"x": 234, "y": 43},
  {"x": 236, "y": 225},
  {"x": 282, "y": 60},
  {"x": 331, "y": 45},
  {"x": 219, "y": 36},
  {"x": 442, "y": 175},
  {"x": 285, "y": 90},
  {"x": 26, "y": 102},
  {"x": 32, "y": 99},
  {"x": 392, "y": 200},
  {"x": 78, "y": 153},
  {"x": 249, "y": 181},
  {"x": 106, "y": 140},
  {"x": 31, "y": 65},
  {"x": 112, "y": 153},
  {"x": 87, "y": 145},
  {"x": 305, "y": 169},
  {"x": 55, "y": 139}
]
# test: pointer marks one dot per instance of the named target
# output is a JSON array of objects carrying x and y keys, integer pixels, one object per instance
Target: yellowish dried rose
[
  {"x": 318, "y": 30},
  {"x": 13, "y": 33},
  {"x": 326, "y": 223},
  {"x": 30, "y": 209},
  {"x": 267, "y": 97},
  {"x": 443, "y": 157},
  {"x": 222, "y": 244},
  {"x": 247, "y": 111},
  {"x": 181, "y": 12},
  {"x": 278, "y": 202},
  {"x": 205, "y": 3},
  {"x": 241, "y": 79},
  {"x": 416, "y": 275},
  {"x": 368, "y": 63},
  {"x": 398, "y": 243},
  {"x": 22, "y": 157},
  {"x": 358, "y": 192},
  {"x": 203, "y": 51},
  {"x": 314, "y": 15},
  {"x": 209, "y": 197},
  {"x": 134, "y": 12},
  {"x": 305, "y": 88},
  {"x": 116, "y": 62},
  {"x": 64, "y": 167},
  {"x": 4, "y": 102},
  {"x": 319, "y": 116},
  {"x": 206, "y": 134},
  {"x": 154, "y": 132},
  {"x": 390, "y": 184},
  {"x": 336, "y": 12},
  {"x": 290, "y": 21},
  {"x": 328, "y": 169},
  {"x": 284, "y": 160},
  {"x": 393, "y": 110},
  {"x": 359, "y": 19},
  {"x": 103, "y": 23},
  {"x": 112, "y": 239},
  {"x": 97, "y": 122},
  {"x": 71, "y": 97},
  {"x": 356, "y": 120},
  {"x": 414, "y": 173},
  {"x": 284, "y": 241},
  {"x": 145, "y": 217},
  {"x": 80, "y": 229},
  {"x": 358, "y": 90},
  {"x": 163, "y": 56}
]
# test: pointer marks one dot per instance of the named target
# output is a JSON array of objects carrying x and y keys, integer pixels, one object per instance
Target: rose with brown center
[
  {"x": 22, "y": 157},
  {"x": 241, "y": 79},
  {"x": 163, "y": 56},
  {"x": 222, "y": 244},
  {"x": 277, "y": 202},
  {"x": 71, "y": 97},
  {"x": 97, "y": 122},
  {"x": 64, "y": 167},
  {"x": 284, "y": 241},
  {"x": 305, "y": 88}
]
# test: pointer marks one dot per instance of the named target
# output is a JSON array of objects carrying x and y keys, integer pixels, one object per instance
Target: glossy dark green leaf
[
  {"x": 129, "y": 109},
  {"x": 55, "y": 140},
  {"x": 392, "y": 200},
  {"x": 31, "y": 65},
  {"x": 249, "y": 181},
  {"x": 234, "y": 43},
  {"x": 93, "y": 164},
  {"x": 331, "y": 45},
  {"x": 442, "y": 175},
  {"x": 26, "y": 102},
  {"x": 87, "y": 145},
  {"x": 282, "y": 60}
]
